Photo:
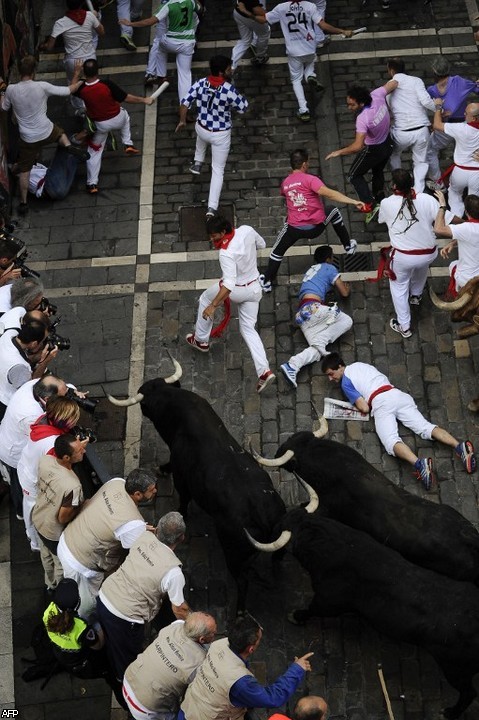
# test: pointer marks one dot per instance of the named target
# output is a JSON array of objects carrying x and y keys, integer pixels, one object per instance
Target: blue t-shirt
[{"x": 319, "y": 280}]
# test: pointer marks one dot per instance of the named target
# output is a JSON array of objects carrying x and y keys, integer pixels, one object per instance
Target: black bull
[
  {"x": 210, "y": 467},
  {"x": 351, "y": 572},
  {"x": 355, "y": 493}
]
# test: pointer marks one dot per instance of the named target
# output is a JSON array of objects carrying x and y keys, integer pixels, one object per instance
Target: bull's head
[
  {"x": 139, "y": 396},
  {"x": 289, "y": 454},
  {"x": 285, "y": 536}
]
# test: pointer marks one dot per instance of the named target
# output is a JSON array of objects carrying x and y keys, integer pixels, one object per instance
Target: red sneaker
[
  {"x": 202, "y": 347},
  {"x": 264, "y": 380}
]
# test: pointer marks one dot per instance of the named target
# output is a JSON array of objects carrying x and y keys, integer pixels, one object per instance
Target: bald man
[
  {"x": 310, "y": 707},
  {"x": 466, "y": 168}
]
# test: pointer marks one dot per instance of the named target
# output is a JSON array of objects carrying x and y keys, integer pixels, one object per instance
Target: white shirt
[
  {"x": 27, "y": 467},
  {"x": 467, "y": 236},
  {"x": 409, "y": 102},
  {"x": 78, "y": 39},
  {"x": 404, "y": 232},
  {"x": 467, "y": 142},
  {"x": 37, "y": 173},
  {"x": 23, "y": 409},
  {"x": 28, "y": 98},
  {"x": 239, "y": 263},
  {"x": 10, "y": 358},
  {"x": 11, "y": 319},
  {"x": 365, "y": 378},
  {"x": 5, "y": 298},
  {"x": 298, "y": 21}
]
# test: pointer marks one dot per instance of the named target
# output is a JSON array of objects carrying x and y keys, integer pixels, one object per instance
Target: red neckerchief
[
  {"x": 473, "y": 220},
  {"x": 411, "y": 194},
  {"x": 216, "y": 81},
  {"x": 474, "y": 124},
  {"x": 225, "y": 240},
  {"x": 77, "y": 16}
]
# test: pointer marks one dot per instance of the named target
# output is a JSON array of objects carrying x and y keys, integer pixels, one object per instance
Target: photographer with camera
[
  {"x": 26, "y": 294},
  {"x": 9, "y": 248},
  {"x": 24, "y": 354},
  {"x": 26, "y": 405},
  {"x": 62, "y": 414}
]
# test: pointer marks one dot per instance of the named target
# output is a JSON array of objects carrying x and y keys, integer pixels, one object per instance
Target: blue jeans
[{"x": 60, "y": 175}]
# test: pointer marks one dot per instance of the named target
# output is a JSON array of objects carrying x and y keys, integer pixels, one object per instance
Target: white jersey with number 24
[{"x": 298, "y": 20}]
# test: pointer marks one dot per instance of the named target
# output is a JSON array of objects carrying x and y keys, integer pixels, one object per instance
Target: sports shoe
[
  {"x": 303, "y": 116},
  {"x": 415, "y": 299},
  {"x": 371, "y": 214},
  {"x": 290, "y": 374},
  {"x": 78, "y": 152},
  {"x": 266, "y": 285},
  {"x": 131, "y": 150},
  {"x": 150, "y": 80},
  {"x": 127, "y": 43},
  {"x": 394, "y": 325},
  {"x": 211, "y": 212},
  {"x": 260, "y": 60},
  {"x": 264, "y": 380},
  {"x": 92, "y": 189},
  {"x": 352, "y": 247},
  {"x": 424, "y": 472},
  {"x": 195, "y": 168},
  {"x": 314, "y": 83},
  {"x": 202, "y": 347},
  {"x": 465, "y": 453}
]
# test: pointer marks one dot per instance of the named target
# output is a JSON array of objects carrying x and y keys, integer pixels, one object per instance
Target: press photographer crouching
[{"x": 25, "y": 352}]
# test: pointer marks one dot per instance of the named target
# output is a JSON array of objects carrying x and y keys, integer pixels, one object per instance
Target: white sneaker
[
  {"x": 352, "y": 247},
  {"x": 290, "y": 374},
  {"x": 394, "y": 325},
  {"x": 266, "y": 285}
]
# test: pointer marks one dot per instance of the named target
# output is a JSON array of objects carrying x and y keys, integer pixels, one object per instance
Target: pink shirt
[
  {"x": 304, "y": 205},
  {"x": 374, "y": 120}
]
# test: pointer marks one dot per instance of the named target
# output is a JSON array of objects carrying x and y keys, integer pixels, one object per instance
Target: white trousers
[
  {"x": 251, "y": 34},
  {"x": 318, "y": 336},
  {"x": 247, "y": 301},
  {"x": 125, "y": 9},
  {"x": 142, "y": 714},
  {"x": 299, "y": 68},
  {"x": 30, "y": 492},
  {"x": 88, "y": 587},
  {"x": 393, "y": 406},
  {"x": 184, "y": 53},
  {"x": 220, "y": 143},
  {"x": 438, "y": 140},
  {"x": 411, "y": 275},
  {"x": 459, "y": 180},
  {"x": 417, "y": 141},
  {"x": 152, "y": 66},
  {"x": 120, "y": 122}
]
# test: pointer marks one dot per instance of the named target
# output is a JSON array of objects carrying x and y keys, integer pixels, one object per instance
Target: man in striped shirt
[{"x": 215, "y": 97}]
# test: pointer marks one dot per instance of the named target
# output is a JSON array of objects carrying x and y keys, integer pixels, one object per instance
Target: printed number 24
[{"x": 299, "y": 19}]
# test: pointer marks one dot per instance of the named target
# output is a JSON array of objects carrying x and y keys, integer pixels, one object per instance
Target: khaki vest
[
  {"x": 90, "y": 536},
  {"x": 159, "y": 676},
  {"x": 208, "y": 695},
  {"x": 134, "y": 589},
  {"x": 54, "y": 483}
]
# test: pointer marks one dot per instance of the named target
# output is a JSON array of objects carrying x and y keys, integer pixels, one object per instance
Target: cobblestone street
[{"x": 126, "y": 269}]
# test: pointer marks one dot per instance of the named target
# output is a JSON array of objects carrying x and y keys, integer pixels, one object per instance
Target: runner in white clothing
[
  {"x": 298, "y": 21},
  {"x": 237, "y": 255},
  {"x": 465, "y": 236},
  {"x": 371, "y": 391},
  {"x": 410, "y": 219},
  {"x": 466, "y": 167},
  {"x": 409, "y": 102},
  {"x": 252, "y": 35}
]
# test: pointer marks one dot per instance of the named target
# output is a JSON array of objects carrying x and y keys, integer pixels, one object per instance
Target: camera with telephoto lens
[
  {"x": 83, "y": 433},
  {"x": 84, "y": 403},
  {"x": 55, "y": 340},
  {"x": 19, "y": 262}
]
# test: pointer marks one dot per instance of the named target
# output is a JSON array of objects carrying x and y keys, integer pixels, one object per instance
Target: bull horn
[
  {"x": 313, "y": 504},
  {"x": 176, "y": 375},
  {"x": 323, "y": 427},
  {"x": 133, "y": 400},
  {"x": 449, "y": 306},
  {"x": 270, "y": 462},
  {"x": 283, "y": 540}
]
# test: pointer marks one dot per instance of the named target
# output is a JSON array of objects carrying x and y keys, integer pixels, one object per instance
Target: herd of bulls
[{"x": 408, "y": 566}]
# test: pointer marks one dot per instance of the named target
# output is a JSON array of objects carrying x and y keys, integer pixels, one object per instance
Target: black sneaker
[
  {"x": 150, "y": 80},
  {"x": 78, "y": 152},
  {"x": 128, "y": 43}
]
